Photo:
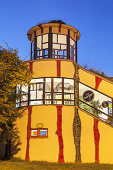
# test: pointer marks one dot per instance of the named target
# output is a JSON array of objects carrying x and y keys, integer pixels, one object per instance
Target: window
[
  {"x": 34, "y": 133},
  {"x": 32, "y": 52},
  {"x": 68, "y": 92},
  {"x": 43, "y": 132},
  {"x": 72, "y": 50},
  {"x": 95, "y": 103},
  {"x": 42, "y": 46},
  {"x": 57, "y": 90},
  {"x": 39, "y": 133},
  {"x": 47, "y": 91},
  {"x": 36, "y": 91},
  {"x": 22, "y": 99},
  {"x": 59, "y": 46}
]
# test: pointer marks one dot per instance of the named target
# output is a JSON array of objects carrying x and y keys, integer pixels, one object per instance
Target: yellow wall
[
  {"x": 105, "y": 143},
  {"x": 87, "y": 138},
  {"x": 106, "y": 88},
  {"x": 21, "y": 125},
  {"x": 44, "y": 149},
  {"x": 67, "y": 133},
  {"x": 67, "y": 69},
  {"x": 86, "y": 78},
  {"x": 47, "y": 149},
  {"x": 44, "y": 69}
]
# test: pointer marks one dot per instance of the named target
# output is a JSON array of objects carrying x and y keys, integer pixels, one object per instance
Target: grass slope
[{"x": 22, "y": 165}]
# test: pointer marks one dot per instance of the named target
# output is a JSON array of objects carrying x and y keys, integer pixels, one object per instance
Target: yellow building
[{"x": 68, "y": 110}]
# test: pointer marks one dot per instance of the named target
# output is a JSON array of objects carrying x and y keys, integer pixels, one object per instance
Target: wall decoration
[
  {"x": 39, "y": 125},
  {"x": 77, "y": 135},
  {"x": 39, "y": 133},
  {"x": 88, "y": 96},
  {"x": 58, "y": 68},
  {"x": 57, "y": 87},
  {"x": 96, "y": 139},
  {"x": 59, "y": 133},
  {"x": 104, "y": 104},
  {"x": 43, "y": 132},
  {"x": 109, "y": 107},
  {"x": 31, "y": 66},
  {"x": 28, "y": 132},
  {"x": 34, "y": 133},
  {"x": 95, "y": 128},
  {"x": 77, "y": 121},
  {"x": 29, "y": 121}
]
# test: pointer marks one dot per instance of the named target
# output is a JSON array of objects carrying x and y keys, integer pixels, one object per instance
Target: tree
[{"x": 12, "y": 71}]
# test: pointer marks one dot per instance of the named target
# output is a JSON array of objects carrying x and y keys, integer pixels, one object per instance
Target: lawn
[{"x": 22, "y": 165}]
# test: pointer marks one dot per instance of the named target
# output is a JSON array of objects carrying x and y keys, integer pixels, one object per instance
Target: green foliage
[
  {"x": 93, "y": 70},
  {"x": 57, "y": 21},
  {"x": 12, "y": 71},
  {"x": 52, "y": 21}
]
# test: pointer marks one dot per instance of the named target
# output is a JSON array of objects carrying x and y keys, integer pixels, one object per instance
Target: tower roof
[{"x": 53, "y": 25}]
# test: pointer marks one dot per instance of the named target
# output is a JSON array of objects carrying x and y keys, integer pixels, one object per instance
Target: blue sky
[{"x": 93, "y": 18}]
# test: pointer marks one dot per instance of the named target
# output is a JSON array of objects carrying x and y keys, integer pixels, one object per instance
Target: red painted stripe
[
  {"x": 96, "y": 137},
  {"x": 28, "y": 132},
  {"x": 31, "y": 66},
  {"x": 59, "y": 133},
  {"x": 59, "y": 121},
  {"x": 96, "y": 131},
  {"x": 98, "y": 81},
  {"x": 29, "y": 121},
  {"x": 58, "y": 68}
]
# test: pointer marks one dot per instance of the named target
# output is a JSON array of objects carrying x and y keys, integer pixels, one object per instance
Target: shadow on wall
[
  {"x": 15, "y": 142},
  {"x": 10, "y": 148},
  {"x": 7, "y": 151},
  {"x": 15, "y": 147}
]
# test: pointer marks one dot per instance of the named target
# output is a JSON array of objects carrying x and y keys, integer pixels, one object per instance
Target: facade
[{"x": 67, "y": 109}]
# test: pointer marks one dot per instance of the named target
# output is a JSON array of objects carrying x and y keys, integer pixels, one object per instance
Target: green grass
[{"x": 16, "y": 164}]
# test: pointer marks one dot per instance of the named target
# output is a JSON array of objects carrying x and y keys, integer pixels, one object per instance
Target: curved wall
[
  {"x": 47, "y": 149},
  {"x": 48, "y": 68}
]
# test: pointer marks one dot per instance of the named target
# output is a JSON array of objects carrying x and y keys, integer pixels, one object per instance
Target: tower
[
  {"x": 65, "y": 103},
  {"x": 52, "y": 94}
]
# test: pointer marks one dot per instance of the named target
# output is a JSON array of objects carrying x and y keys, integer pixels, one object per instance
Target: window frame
[{"x": 38, "y": 133}]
